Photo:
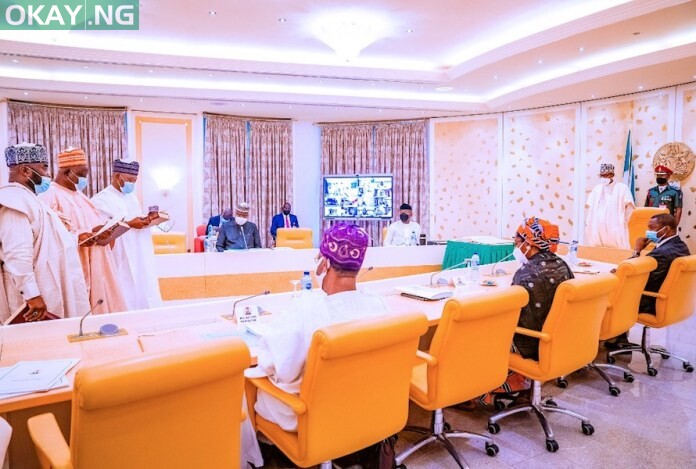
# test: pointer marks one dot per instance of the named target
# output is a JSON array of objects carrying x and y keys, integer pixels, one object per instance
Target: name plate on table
[{"x": 248, "y": 314}]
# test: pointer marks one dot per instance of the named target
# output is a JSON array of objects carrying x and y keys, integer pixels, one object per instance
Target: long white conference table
[{"x": 172, "y": 326}]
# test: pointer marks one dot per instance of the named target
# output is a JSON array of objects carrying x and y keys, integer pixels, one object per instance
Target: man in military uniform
[{"x": 665, "y": 196}]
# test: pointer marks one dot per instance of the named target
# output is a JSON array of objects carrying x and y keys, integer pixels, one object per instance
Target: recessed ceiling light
[
  {"x": 86, "y": 97},
  {"x": 379, "y": 110},
  {"x": 582, "y": 49},
  {"x": 243, "y": 104},
  {"x": 421, "y": 87},
  {"x": 15, "y": 61},
  {"x": 210, "y": 74},
  {"x": 592, "y": 96},
  {"x": 444, "y": 88},
  {"x": 409, "y": 30},
  {"x": 495, "y": 77},
  {"x": 212, "y": 12},
  {"x": 85, "y": 66},
  {"x": 26, "y": 93},
  {"x": 540, "y": 61},
  {"x": 640, "y": 87},
  {"x": 149, "y": 71},
  {"x": 693, "y": 76},
  {"x": 141, "y": 100},
  {"x": 290, "y": 107},
  {"x": 282, "y": 20}
]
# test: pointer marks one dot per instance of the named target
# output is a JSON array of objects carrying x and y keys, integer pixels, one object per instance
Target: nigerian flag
[{"x": 628, "y": 174}]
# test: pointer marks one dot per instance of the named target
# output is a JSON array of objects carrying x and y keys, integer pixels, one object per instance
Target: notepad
[
  {"x": 35, "y": 375},
  {"x": 424, "y": 293}
]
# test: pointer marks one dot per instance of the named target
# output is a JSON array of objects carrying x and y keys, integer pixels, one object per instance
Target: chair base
[
  {"x": 538, "y": 407},
  {"x": 441, "y": 432},
  {"x": 647, "y": 350},
  {"x": 599, "y": 368}
]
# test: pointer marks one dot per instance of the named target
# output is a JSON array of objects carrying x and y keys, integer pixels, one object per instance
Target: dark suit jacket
[
  {"x": 214, "y": 222},
  {"x": 233, "y": 236},
  {"x": 278, "y": 221},
  {"x": 664, "y": 255}
]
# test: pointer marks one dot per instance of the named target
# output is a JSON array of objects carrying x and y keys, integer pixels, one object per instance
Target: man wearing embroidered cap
[
  {"x": 283, "y": 348},
  {"x": 83, "y": 219},
  {"x": 609, "y": 206},
  {"x": 39, "y": 262},
  {"x": 133, "y": 251},
  {"x": 239, "y": 233},
  {"x": 664, "y": 195}
]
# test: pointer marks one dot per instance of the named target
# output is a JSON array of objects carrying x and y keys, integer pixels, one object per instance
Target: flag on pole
[{"x": 628, "y": 174}]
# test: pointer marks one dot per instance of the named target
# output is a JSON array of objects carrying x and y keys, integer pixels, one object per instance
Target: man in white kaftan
[
  {"x": 285, "y": 343},
  {"x": 38, "y": 256},
  {"x": 610, "y": 206},
  {"x": 133, "y": 251}
]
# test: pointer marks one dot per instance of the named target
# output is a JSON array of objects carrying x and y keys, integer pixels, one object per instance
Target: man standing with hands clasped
[{"x": 404, "y": 232}]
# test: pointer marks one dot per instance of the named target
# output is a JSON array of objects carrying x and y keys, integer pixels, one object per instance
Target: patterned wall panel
[
  {"x": 539, "y": 154},
  {"x": 688, "y": 223},
  {"x": 465, "y": 168}
]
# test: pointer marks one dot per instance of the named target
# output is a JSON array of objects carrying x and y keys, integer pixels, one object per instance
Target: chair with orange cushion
[
  {"x": 296, "y": 238},
  {"x": 177, "y": 409},
  {"x": 169, "y": 243},
  {"x": 638, "y": 223},
  {"x": 468, "y": 357},
  {"x": 199, "y": 240},
  {"x": 567, "y": 342},
  {"x": 354, "y": 392},
  {"x": 675, "y": 302}
]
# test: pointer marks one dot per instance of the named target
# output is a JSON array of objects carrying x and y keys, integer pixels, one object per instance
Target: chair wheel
[
  {"x": 551, "y": 402},
  {"x": 551, "y": 446},
  {"x": 492, "y": 449},
  {"x": 562, "y": 383},
  {"x": 447, "y": 427},
  {"x": 614, "y": 391},
  {"x": 664, "y": 356},
  {"x": 498, "y": 404},
  {"x": 587, "y": 429},
  {"x": 611, "y": 359},
  {"x": 493, "y": 428},
  {"x": 688, "y": 367},
  {"x": 652, "y": 371},
  {"x": 628, "y": 377}
]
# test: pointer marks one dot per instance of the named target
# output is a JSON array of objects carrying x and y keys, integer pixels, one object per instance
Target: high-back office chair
[
  {"x": 199, "y": 240},
  {"x": 384, "y": 235},
  {"x": 354, "y": 392},
  {"x": 181, "y": 409},
  {"x": 296, "y": 238},
  {"x": 169, "y": 243},
  {"x": 468, "y": 357},
  {"x": 674, "y": 303},
  {"x": 638, "y": 222},
  {"x": 567, "y": 342}
]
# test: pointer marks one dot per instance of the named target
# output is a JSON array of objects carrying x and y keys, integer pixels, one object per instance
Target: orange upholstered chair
[
  {"x": 567, "y": 342},
  {"x": 180, "y": 409},
  {"x": 199, "y": 240},
  {"x": 675, "y": 302},
  {"x": 354, "y": 392},
  {"x": 169, "y": 243},
  {"x": 638, "y": 223},
  {"x": 296, "y": 238},
  {"x": 468, "y": 357}
]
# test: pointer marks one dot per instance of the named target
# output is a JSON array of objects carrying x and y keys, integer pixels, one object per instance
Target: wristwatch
[{"x": 636, "y": 254}]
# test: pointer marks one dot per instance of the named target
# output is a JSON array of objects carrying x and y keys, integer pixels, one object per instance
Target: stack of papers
[
  {"x": 421, "y": 292},
  {"x": 28, "y": 377}
]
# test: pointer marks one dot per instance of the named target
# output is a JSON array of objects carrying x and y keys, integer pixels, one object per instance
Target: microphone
[
  {"x": 448, "y": 268},
  {"x": 99, "y": 301},
  {"x": 500, "y": 272},
  {"x": 246, "y": 246},
  {"x": 234, "y": 305},
  {"x": 364, "y": 271}
]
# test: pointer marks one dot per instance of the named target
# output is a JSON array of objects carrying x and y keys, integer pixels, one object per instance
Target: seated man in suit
[
  {"x": 217, "y": 221},
  {"x": 285, "y": 219},
  {"x": 239, "y": 233}
]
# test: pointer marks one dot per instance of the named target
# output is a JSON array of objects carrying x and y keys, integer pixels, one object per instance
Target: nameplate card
[{"x": 248, "y": 314}]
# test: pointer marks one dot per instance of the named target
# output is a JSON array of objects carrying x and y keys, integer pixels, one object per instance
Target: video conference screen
[{"x": 361, "y": 197}]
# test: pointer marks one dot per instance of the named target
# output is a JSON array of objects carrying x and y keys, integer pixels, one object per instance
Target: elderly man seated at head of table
[
  {"x": 239, "y": 233},
  {"x": 284, "y": 345}
]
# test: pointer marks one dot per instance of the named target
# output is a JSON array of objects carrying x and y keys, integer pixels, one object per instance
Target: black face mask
[
  {"x": 403, "y": 217},
  {"x": 286, "y": 212},
  {"x": 661, "y": 181}
]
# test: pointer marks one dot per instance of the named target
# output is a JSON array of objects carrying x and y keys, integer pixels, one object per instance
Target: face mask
[
  {"x": 223, "y": 220},
  {"x": 81, "y": 182},
  {"x": 661, "y": 181},
  {"x": 43, "y": 185},
  {"x": 320, "y": 277},
  {"x": 403, "y": 217},
  {"x": 652, "y": 235},
  {"x": 240, "y": 220},
  {"x": 606, "y": 181},
  {"x": 286, "y": 212},
  {"x": 127, "y": 187},
  {"x": 519, "y": 256}
]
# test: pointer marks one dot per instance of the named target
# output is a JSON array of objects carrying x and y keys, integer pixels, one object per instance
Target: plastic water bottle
[
  {"x": 210, "y": 241},
  {"x": 306, "y": 281},
  {"x": 573, "y": 253},
  {"x": 475, "y": 274},
  {"x": 414, "y": 240}
]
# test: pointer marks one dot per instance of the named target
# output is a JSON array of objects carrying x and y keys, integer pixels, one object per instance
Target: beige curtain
[
  {"x": 349, "y": 149},
  {"x": 224, "y": 166},
  {"x": 100, "y": 132},
  {"x": 270, "y": 172},
  {"x": 400, "y": 149}
]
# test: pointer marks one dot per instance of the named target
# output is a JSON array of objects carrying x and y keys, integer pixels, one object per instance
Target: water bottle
[
  {"x": 475, "y": 260},
  {"x": 414, "y": 240},
  {"x": 210, "y": 241},
  {"x": 573, "y": 253},
  {"x": 306, "y": 281}
]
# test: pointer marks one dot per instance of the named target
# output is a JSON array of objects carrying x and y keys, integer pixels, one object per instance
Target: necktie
[{"x": 287, "y": 221}]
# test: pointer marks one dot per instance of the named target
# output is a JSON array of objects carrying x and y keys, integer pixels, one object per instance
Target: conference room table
[
  {"x": 458, "y": 251},
  {"x": 173, "y": 326}
]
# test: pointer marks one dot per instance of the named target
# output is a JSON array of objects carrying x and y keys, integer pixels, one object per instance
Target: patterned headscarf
[
  {"x": 345, "y": 245},
  {"x": 25, "y": 153},
  {"x": 540, "y": 233},
  {"x": 72, "y": 157}
]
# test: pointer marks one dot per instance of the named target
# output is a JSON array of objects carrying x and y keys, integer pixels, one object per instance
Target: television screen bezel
[{"x": 355, "y": 176}]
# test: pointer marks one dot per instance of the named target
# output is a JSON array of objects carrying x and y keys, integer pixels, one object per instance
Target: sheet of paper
[{"x": 35, "y": 376}]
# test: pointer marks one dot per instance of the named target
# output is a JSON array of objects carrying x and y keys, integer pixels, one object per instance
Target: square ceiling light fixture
[{"x": 349, "y": 32}]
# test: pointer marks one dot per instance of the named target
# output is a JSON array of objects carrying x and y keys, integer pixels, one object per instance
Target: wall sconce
[{"x": 166, "y": 178}]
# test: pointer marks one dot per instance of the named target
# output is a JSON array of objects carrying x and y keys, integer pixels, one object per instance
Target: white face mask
[
  {"x": 240, "y": 220},
  {"x": 520, "y": 256},
  {"x": 605, "y": 181},
  {"x": 321, "y": 276}
]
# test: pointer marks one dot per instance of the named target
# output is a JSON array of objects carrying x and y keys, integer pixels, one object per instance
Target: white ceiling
[{"x": 496, "y": 55}]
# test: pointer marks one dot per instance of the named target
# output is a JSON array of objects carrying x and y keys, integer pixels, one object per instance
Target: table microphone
[
  {"x": 500, "y": 272},
  {"x": 234, "y": 305},
  {"x": 99, "y": 301},
  {"x": 364, "y": 271},
  {"x": 443, "y": 270}
]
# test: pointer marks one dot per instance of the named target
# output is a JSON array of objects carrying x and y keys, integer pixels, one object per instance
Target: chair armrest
[
  {"x": 49, "y": 441},
  {"x": 426, "y": 357},
  {"x": 292, "y": 401},
  {"x": 661, "y": 296},
  {"x": 536, "y": 334}
]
